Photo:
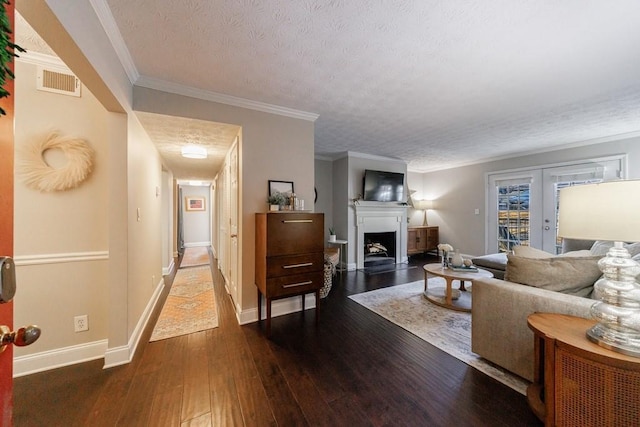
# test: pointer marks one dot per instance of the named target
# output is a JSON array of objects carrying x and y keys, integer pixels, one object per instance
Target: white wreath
[{"x": 37, "y": 174}]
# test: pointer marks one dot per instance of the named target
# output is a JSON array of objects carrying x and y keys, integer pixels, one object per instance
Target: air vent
[{"x": 64, "y": 83}]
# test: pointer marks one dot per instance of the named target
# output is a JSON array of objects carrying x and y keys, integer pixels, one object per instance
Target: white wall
[
  {"x": 196, "y": 224},
  {"x": 458, "y": 192}
]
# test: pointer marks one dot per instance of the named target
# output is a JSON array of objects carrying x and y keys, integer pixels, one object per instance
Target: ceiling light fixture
[{"x": 194, "y": 152}]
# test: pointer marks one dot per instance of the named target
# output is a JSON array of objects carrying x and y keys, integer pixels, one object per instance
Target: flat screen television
[{"x": 383, "y": 186}]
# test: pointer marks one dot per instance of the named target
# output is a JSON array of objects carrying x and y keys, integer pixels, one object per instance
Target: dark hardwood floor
[{"x": 354, "y": 369}]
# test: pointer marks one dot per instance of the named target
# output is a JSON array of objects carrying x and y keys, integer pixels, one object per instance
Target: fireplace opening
[{"x": 379, "y": 248}]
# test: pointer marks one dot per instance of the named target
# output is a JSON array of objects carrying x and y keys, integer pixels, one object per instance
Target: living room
[{"x": 459, "y": 192}]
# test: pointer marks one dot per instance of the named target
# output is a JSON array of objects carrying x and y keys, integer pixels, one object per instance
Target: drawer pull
[
  {"x": 294, "y": 285},
  {"x": 288, "y": 221},
  {"x": 306, "y": 264}
]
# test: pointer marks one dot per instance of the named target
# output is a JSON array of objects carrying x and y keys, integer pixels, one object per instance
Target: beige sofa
[{"x": 499, "y": 331}]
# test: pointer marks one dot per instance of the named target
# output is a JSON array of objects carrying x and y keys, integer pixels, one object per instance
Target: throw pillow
[
  {"x": 566, "y": 274},
  {"x": 601, "y": 247},
  {"x": 529, "y": 252}
]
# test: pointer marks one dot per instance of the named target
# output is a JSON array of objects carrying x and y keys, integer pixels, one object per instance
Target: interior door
[
  {"x": 6, "y": 235},
  {"x": 233, "y": 224}
]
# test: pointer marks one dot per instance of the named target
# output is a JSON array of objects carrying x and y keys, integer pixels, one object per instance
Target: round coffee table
[{"x": 455, "y": 299}]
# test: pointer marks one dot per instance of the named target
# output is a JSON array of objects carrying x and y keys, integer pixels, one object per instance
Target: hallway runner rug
[
  {"x": 190, "y": 306},
  {"x": 197, "y": 255},
  {"x": 446, "y": 329}
]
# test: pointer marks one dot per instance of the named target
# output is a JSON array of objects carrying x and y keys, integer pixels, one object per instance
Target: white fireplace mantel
[{"x": 380, "y": 218}]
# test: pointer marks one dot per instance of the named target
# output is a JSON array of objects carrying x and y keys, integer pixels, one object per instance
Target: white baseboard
[
  {"x": 52, "y": 359},
  {"x": 278, "y": 308},
  {"x": 196, "y": 244},
  {"x": 168, "y": 270},
  {"x": 124, "y": 354}
]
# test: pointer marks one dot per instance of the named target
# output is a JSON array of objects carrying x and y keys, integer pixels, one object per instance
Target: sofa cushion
[
  {"x": 529, "y": 252},
  {"x": 601, "y": 247},
  {"x": 495, "y": 261},
  {"x": 570, "y": 245},
  {"x": 573, "y": 275}
]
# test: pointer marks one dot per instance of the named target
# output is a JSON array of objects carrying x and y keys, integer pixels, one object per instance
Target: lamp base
[{"x": 613, "y": 339}]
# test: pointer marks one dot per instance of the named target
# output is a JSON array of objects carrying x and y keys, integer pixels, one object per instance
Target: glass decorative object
[{"x": 609, "y": 211}]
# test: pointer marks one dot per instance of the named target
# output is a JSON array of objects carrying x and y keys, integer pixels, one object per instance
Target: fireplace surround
[{"x": 380, "y": 218}]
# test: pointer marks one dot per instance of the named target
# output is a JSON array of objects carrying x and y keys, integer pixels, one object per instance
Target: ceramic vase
[{"x": 457, "y": 260}]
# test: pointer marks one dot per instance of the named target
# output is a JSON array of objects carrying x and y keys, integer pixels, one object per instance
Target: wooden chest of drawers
[
  {"x": 422, "y": 239},
  {"x": 289, "y": 257}
]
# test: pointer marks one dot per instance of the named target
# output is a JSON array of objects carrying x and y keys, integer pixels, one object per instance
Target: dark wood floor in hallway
[{"x": 354, "y": 369}]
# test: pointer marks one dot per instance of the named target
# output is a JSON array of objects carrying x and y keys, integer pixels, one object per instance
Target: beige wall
[
  {"x": 134, "y": 266},
  {"x": 273, "y": 147},
  {"x": 61, "y": 225},
  {"x": 144, "y": 236},
  {"x": 459, "y": 191}
]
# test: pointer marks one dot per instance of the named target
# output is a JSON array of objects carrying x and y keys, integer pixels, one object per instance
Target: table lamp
[
  {"x": 609, "y": 211},
  {"x": 423, "y": 205}
]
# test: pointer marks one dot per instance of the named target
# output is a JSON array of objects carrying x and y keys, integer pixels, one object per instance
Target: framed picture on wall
[
  {"x": 284, "y": 187},
  {"x": 194, "y": 203}
]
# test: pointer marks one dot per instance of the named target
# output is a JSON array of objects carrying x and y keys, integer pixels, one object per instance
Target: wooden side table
[{"x": 577, "y": 382}]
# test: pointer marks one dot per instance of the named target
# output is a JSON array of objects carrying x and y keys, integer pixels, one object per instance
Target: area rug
[
  {"x": 198, "y": 255},
  {"x": 446, "y": 329},
  {"x": 190, "y": 306}
]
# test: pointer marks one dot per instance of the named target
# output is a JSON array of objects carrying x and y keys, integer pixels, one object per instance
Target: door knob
[{"x": 23, "y": 336}]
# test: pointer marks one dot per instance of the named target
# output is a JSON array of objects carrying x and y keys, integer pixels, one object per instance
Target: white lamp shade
[
  {"x": 423, "y": 204},
  {"x": 604, "y": 211}
]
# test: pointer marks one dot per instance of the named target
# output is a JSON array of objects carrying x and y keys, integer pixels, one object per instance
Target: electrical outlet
[{"x": 81, "y": 323}]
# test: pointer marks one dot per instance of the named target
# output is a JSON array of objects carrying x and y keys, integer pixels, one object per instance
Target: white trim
[
  {"x": 367, "y": 157},
  {"x": 278, "y": 308},
  {"x": 52, "y": 63},
  {"x": 196, "y": 244},
  {"x": 103, "y": 12},
  {"x": 61, "y": 258},
  {"x": 168, "y": 270},
  {"x": 377, "y": 217},
  {"x": 52, "y": 359},
  {"x": 178, "y": 89},
  {"x": 124, "y": 354}
]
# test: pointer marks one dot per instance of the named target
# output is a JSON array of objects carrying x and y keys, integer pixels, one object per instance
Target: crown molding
[
  {"x": 578, "y": 144},
  {"x": 367, "y": 156},
  {"x": 178, "y": 89},
  {"x": 103, "y": 12},
  {"x": 44, "y": 60}
]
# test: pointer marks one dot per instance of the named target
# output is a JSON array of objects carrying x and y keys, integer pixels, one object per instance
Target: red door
[{"x": 6, "y": 236}]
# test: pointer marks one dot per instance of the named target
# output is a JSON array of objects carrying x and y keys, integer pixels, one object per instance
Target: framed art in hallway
[{"x": 195, "y": 203}]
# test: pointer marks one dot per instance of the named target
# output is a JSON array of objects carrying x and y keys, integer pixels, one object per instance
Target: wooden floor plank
[{"x": 195, "y": 400}]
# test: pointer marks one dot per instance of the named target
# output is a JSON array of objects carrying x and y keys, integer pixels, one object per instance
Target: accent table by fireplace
[
  {"x": 455, "y": 299},
  {"x": 342, "y": 265}
]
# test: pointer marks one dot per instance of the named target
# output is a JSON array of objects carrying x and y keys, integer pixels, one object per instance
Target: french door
[{"x": 523, "y": 204}]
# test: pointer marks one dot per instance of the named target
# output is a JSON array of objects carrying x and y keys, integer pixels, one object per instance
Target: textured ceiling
[
  {"x": 433, "y": 82},
  {"x": 170, "y": 134}
]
